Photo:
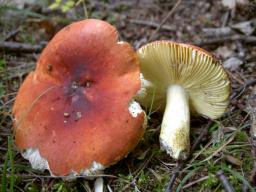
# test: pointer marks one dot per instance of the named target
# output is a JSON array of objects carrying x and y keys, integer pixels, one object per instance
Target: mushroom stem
[
  {"x": 99, "y": 185},
  {"x": 174, "y": 136}
]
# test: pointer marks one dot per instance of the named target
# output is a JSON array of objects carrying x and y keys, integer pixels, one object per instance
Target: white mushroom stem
[
  {"x": 99, "y": 185},
  {"x": 174, "y": 136}
]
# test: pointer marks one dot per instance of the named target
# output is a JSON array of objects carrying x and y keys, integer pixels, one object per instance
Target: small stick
[
  {"x": 241, "y": 82},
  {"x": 251, "y": 105},
  {"x": 240, "y": 90},
  {"x": 244, "y": 38},
  {"x": 11, "y": 34},
  {"x": 195, "y": 182},
  {"x": 165, "y": 19},
  {"x": 218, "y": 32},
  {"x": 201, "y": 136},
  {"x": 20, "y": 47},
  {"x": 175, "y": 174},
  {"x": 85, "y": 10},
  {"x": 227, "y": 186},
  {"x": 109, "y": 188},
  {"x": 151, "y": 24},
  {"x": 225, "y": 19}
]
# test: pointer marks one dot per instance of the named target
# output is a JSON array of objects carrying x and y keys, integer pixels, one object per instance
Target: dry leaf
[
  {"x": 224, "y": 52},
  {"x": 233, "y": 63},
  {"x": 246, "y": 27},
  {"x": 232, "y": 160}
]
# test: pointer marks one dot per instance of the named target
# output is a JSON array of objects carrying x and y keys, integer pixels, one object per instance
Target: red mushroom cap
[{"x": 74, "y": 107}]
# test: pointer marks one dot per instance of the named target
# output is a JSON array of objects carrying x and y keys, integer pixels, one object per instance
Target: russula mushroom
[
  {"x": 179, "y": 79},
  {"x": 75, "y": 113}
]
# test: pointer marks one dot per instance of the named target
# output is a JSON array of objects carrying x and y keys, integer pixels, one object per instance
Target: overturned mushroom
[
  {"x": 75, "y": 113},
  {"x": 180, "y": 79}
]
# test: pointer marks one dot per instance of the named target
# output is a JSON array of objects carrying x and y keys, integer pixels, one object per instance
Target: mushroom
[
  {"x": 181, "y": 79},
  {"x": 75, "y": 113}
]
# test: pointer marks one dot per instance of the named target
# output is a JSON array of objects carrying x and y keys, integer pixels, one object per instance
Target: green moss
[
  {"x": 32, "y": 188},
  {"x": 241, "y": 136},
  {"x": 211, "y": 183}
]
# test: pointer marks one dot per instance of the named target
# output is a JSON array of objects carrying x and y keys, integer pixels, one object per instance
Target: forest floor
[{"x": 227, "y": 148}]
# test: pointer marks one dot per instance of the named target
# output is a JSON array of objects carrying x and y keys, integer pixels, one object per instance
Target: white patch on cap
[
  {"x": 95, "y": 168},
  {"x": 135, "y": 108},
  {"x": 35, "y": 159},
  {"x": 39, "y": 163}
]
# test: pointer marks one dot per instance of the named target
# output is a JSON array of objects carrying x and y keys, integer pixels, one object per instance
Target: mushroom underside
[{"x": 199, "y": 83}]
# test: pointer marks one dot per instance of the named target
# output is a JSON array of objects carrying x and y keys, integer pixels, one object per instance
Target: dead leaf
[
  {"x": 224, "y": 52},
  {"x": 233, "y": 160},
  {"x": 246, "y": 27},
  {"x": 233, "y": 63}
]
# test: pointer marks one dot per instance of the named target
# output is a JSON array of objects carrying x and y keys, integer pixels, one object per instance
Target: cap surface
[
  {"x": 74, "y": 106},
  {"x": 164, "y": 63}
]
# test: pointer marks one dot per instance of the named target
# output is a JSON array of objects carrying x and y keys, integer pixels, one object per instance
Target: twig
[
  {"x": 234, "y": 77},
  {"x": 109, "y": 188},
  {"x": 84, "y": 8},
  {"x": 227, "y": 186},
  {"x": 217, "y": 32},
  {"x": 175, "y": 174},
  {"x": 201, "y": 136},
  {"x": 164, "y": 20},
  {"x": 20, "y": 47},
  {"x": 11, "y": 34},
  {"x": 151, "y": 24},
  {"x": 138, "y": 171},
  {"x": 200, "y": 152},
  {"x": 195, "y": 182},
  {"x": 220, "y": 148},
  {"x": 251, "y": 105},
  {"x": 240, "y": 90},
  {"x": 225, "y": 18},
  {"x": 180, "y": 165},
  {"x": 253, "y": 174},
  {"x": 244, "y": 38},
  {"x": 142, "y": 166},
  {"x": 231, "y": 138}
]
